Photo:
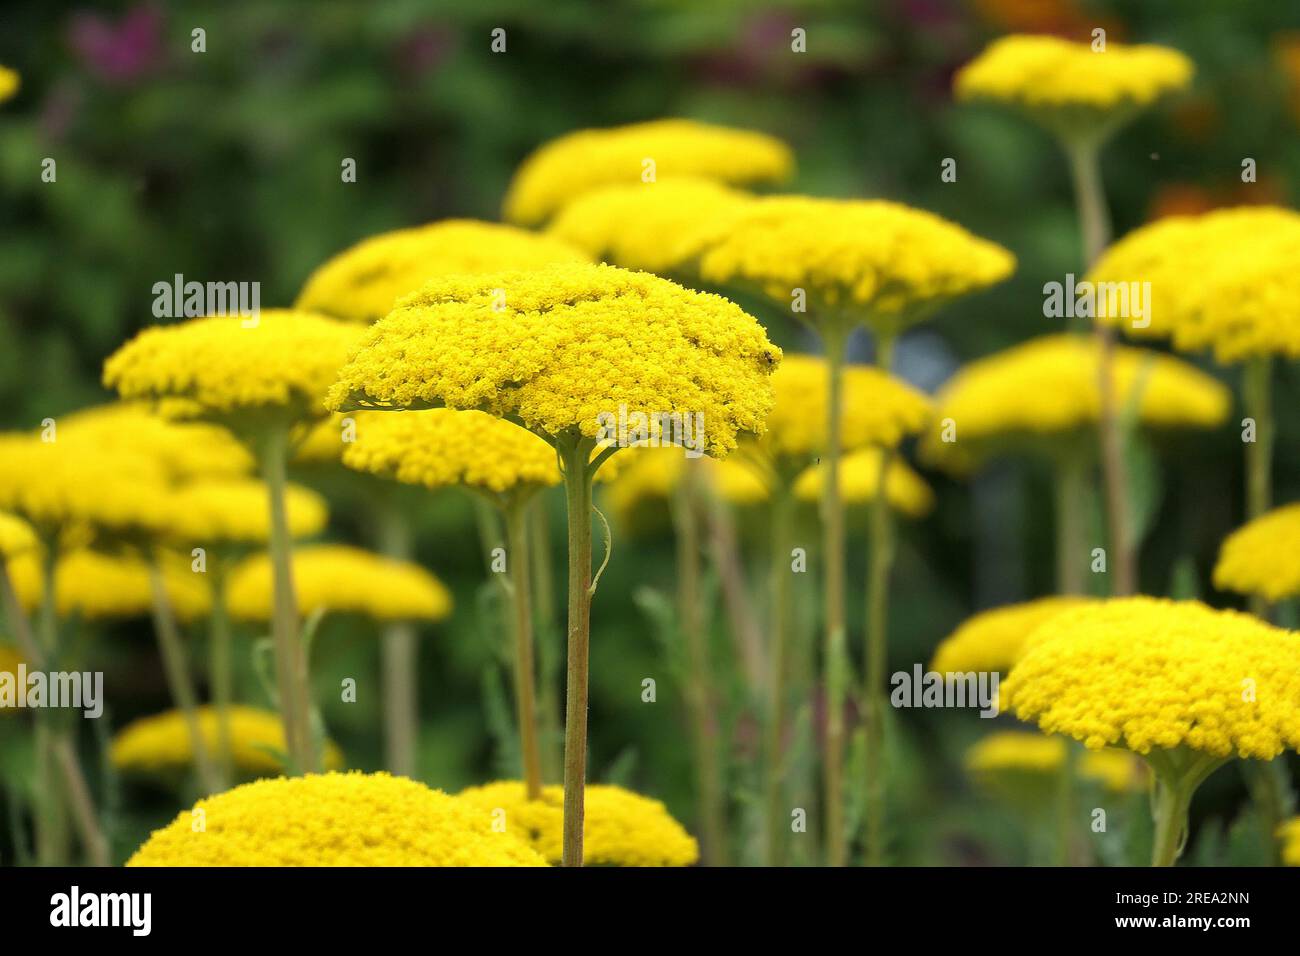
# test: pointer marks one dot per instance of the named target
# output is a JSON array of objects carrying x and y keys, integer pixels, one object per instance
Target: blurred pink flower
[{"x": 118, "y": 52}]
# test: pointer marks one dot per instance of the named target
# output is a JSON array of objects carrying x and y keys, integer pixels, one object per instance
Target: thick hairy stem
[
  {"x": 399, "y": 655},
  {"x": 178, "y": 677},
  {"x": 1071, "y": 534},
  {"x": 700, "y": 691},
  {"x": 548, "y": 702},
  {"x": 779, "y": 666},
  {"x": 521, "y": 599},
  {"x": 577, "y": 488},
  {"x": 221, "y": 670},
  {"x": 1094, "y": 224},
  {"x": 1177, "y": 775},
  {"x": 290, "y": 655},
  {"x": 835, "y": 663}
]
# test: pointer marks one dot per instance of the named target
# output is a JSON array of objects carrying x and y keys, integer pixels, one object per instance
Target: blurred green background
[{"x": 226, "y": 165}]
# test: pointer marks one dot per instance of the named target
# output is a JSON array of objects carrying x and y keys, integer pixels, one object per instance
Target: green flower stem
[
  {"x": 1065, "y": 798},
  {"x": 57, "y": 746},
  {"x": 290, "y": 656},
  {"x": 724, "y": 550},
  {"x": 1257, "y": 393},
  {"x": 575, "y": 453},
  {"x": 178, "y": 677},
  {"x": 1177, "y": 775},
  {"x": 548, "y": 702},
  {"x": 52, "y": 814},
  {"x": 699, "y": 692},
  {"x": 779, "y": 664},
  {"x": 881, "y": 545},
  {"x": 399, "y": 653},
  {"x": 516, "y": 515},
  {"x": 1267, "y": 782},
  {"x": 1094, "y": 221},
  {"x": 1071, "y": 534},
  {"x": 221, "y": 669},
  {"x": 836, "y": 666}
]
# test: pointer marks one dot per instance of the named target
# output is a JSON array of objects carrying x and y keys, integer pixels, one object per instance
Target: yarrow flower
[
  {"x": 567, "y": 167},
  {"x": 161, "y": 744},
  {"x": 556, "y": 348},
  {"x": 1263, "y": 556},
  {"x": 1290, "y": 836},
  {"x": 1017, "y": 752},
  {"x": 231, "y": 371},
  {"x": 231, "y": 513},
  {"x": 905, "y": 490},
  {"x": 441, "y": 448},
  {"x": 1148, "y": 673},
  {"x": 652, "y": 226},
  {"x": 16, "y": 537},
  {"x": 334, "y": 819},
  {"x": 880, "y": 263},
  {"x": 10, "y": 660},
  {"x": 879, "y": 410},
  {"x": 994, "y": 640},
  {"x": 1060, "y": 83},
  {"x": 363, "y": 283},
  {"x": 622, "y": 828},
  {"x": 1048, "y": 388},
  {"x": 1223, "y": 281},
  {"x": 341, "y": 579},
  {"x": 650, "y": 476},
  {"x": 95, "y": 585}
]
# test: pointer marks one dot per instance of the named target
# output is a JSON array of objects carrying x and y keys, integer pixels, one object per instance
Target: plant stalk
[
  {"x": 516, "y": 516},
  {"x": 577, "y": 489},
  {"x": 399, "y": 658},
  {"x": 290, "y": 655},
  {"x": 835, "y": 665},
  {"x": 779, "y": 665},
  {"x": 222, "y": 670}
]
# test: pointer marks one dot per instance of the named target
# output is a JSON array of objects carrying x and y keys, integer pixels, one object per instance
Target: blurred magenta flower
[{"x": 122, "y": 51}]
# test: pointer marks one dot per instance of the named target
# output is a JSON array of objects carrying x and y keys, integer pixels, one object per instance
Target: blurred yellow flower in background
[
  {"x": 567, "y": 167},
  {"x": 905, "y": 490},
  {"x": 1018, "y": 751},
  {"x": 622, "y": 828},
  {"x": 993, "y": 640},
  {"x": 232, "y": 512},
  {"x": 1263, "y": 556},
  {"x": 9, "y": 83},
  {"x": 340, "y": 579},
  {"x": 98, "y": 586},
  {"x": 161, "y": 743},
  {"x": 364, "y": 283}
]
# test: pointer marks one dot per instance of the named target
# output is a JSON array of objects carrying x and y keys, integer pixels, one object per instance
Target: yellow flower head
[
  {"x": 1063, "y": 84},
  {"x": 1224, "y": 281},
  {"x": 1263, "y": 556},
  {"x": 344, "y": 580},
  {"x": 621, "y": 828},
  {"x": 16, "y": 537},
  {"x": 161, "y": 744},
  {"x": 994, "y": 640},
  {"x": 1290, "y": 836},
  {"x": 9, "y": 661},
  {"x": 579, "y": 162},
  {"x": 233, "y": 370},
  {"x": 905, "y": 490},
  {"x": 1047, "y": 388},
  {"x": 1148, "y": 672},
  {"x": 563, "y": 350},
  {"x": 333, "y": 819},
  {"x": 9, "y": 83},
  {"x": 97, "y": 586},
  {"x": 878, "y": 262},
  {"x": 652, "y": 226},
  {"x": 441, "y": 448},
  {"x": 1025, "y": 752},
  {"x": 363, "y": 283},
  {"x": 878, "y": 410},
  {"x": 649, "y": 477},
  {"x": 234, "y": 511},
  {"x": 64, "y": 485},
  {"x": 184, "y": 450}
]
